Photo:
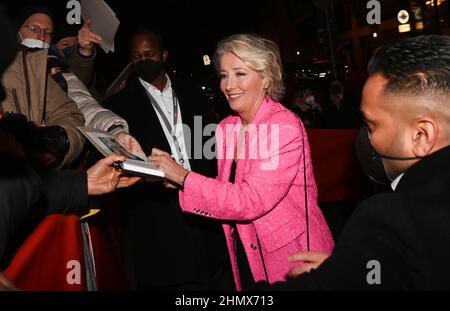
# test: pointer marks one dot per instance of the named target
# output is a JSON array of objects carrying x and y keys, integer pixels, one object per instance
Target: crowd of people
[{"x": 244, "y": 214}]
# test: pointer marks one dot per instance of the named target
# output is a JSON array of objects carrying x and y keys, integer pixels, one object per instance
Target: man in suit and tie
[{"x": 167, "y": 249}]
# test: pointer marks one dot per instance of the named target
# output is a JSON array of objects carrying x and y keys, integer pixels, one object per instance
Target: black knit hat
[
  {"x": 64, "y": 30},
  {"x": 27, "y": 12}
]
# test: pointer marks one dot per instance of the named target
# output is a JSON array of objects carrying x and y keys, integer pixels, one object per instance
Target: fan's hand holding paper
[
  {"x": 104, "y": 21},
  {"x": 107, "y": 145}
]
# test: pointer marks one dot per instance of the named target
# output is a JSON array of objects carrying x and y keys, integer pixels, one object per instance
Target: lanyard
[{"x": 167, "y": 123}]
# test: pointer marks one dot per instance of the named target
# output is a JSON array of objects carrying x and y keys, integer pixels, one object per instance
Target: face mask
[
  {"x": 35, "y": 43},
  {"x": 371, "y": 161},
  {"x": 59, "y": 78},
  {"x": 148, "y": 70},
  {"x": 310, "y": 100},
  {"x": 67, "y": 51}
]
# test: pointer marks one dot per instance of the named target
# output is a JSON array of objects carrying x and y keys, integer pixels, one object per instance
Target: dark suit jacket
[
  {"x": 168, "y": 247},
  {"x": 407, "y": 232}
]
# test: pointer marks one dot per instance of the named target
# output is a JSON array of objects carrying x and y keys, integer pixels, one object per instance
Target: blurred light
[
  {"x": 375, "y": 35},
  {"x": 419, "y": 25},
  {"x": 404, "y": 28},
  {"x": 322, "y": 75},
  {"x": 403, "y": 16},
  {"x": 206, "y": 60},
  {"x": 298, "y": 52},
  {"x": 431, "y": 3},
  {"x": 203, "y": 88}
]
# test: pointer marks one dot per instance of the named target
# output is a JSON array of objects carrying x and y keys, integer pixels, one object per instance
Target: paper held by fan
[
  {"x": 107, "y": 145},
  {"x": 104, "y": 21}
]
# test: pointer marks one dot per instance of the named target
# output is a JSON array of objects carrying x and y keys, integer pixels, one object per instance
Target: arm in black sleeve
[
  {"x": 27, "y": 194},
  {"x": 64, "y": 191},
  {"x": 378, "y": 231},
  {"x": 19, "y": 192}
]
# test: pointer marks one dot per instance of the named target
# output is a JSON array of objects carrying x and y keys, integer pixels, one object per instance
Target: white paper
[
  {"x": 115, "y": 86},
  {"x": 135, "y": 164},
  {"x": 104, "y": 21}
]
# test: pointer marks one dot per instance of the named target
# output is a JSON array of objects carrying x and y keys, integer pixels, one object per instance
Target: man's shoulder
[
  {"x": 124, "y": 95},
  {"x": 380, "y": 219},
  {"x": 382, "y": 204},
  {"x": 385, "y": 214},
  {"x": 184, "y": 87}
]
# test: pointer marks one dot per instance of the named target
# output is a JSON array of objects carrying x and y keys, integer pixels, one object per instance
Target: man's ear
[
  {"x": 425, "y": 137},
  {"x": 165, "y": 54}
]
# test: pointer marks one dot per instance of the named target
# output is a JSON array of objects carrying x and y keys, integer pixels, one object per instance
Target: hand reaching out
[
  {"x": 103, "y": 178},
  {"x": 311, "y": 260}
]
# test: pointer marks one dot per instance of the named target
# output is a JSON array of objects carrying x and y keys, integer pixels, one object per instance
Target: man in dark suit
[
  {"x": 398, "y": 240},
  {"x": 169, "y": 249}
]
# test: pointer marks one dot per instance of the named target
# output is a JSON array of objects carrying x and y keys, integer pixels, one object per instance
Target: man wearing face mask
[
  {"x": 306, "y": 107},
  {"x": 168, "y": 249},
  {"x": 74, "y": 43},
  {"x": 397, "y": 240},
  {"x": 31, "y": 93}
]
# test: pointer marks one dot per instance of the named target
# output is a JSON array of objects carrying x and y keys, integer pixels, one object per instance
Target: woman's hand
[
  {"x": 103, "y": 178},
  {"x": 174, "y": 172},
  {"x": 311, "y": 260}
]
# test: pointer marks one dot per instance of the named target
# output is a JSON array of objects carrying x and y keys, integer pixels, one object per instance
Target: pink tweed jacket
[{"x": 267, "y": 199}]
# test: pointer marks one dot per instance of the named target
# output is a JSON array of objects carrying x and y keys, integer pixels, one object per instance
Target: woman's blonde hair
[{"x": 258, "y": 53}]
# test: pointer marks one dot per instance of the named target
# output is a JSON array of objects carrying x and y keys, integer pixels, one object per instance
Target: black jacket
[
  {"x": 168, "y": 247},
  {"x": 407, "y": 232},
  {"x": 27, "y": 196}
]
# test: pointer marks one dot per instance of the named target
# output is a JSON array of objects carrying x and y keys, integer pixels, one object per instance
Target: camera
[{"x": 44, "y": 139}]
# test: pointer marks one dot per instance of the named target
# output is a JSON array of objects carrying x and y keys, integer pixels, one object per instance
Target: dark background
[{"x": 191, "y": 28}]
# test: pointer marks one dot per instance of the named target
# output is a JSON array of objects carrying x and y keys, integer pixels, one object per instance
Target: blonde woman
[{"x": 265, "y": 189}]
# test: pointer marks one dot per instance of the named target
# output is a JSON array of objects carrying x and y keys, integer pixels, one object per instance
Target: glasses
[{"x": 38, "y": 30}]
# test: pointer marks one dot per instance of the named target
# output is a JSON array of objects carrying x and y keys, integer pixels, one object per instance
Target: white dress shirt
[
  {"x": 396, "y": 181},
  {"x": 165, "y": 101}
]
